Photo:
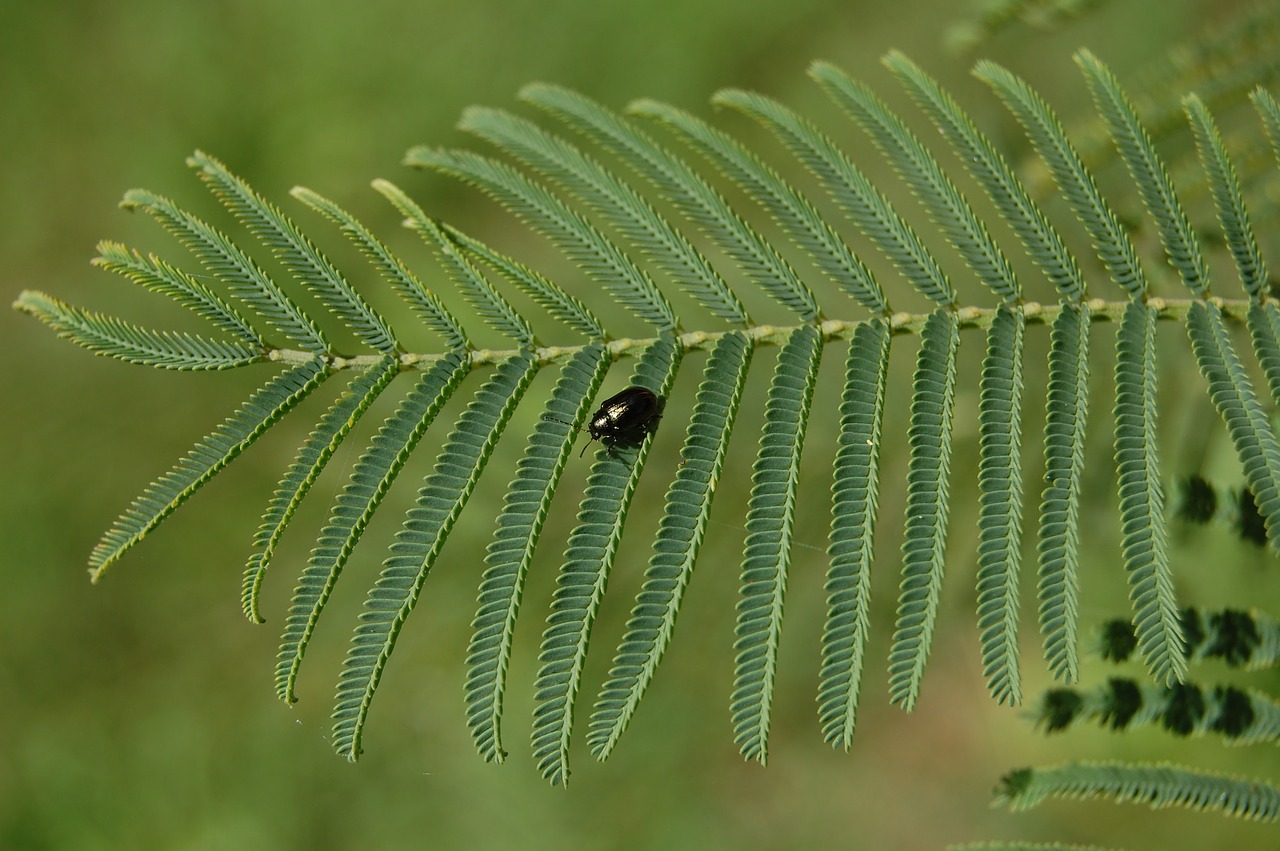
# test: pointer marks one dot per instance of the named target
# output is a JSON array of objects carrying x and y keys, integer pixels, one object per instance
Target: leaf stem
[{"x": 1234, "y": 310}]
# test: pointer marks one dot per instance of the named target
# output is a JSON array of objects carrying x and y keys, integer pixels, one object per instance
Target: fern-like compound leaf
[
  {"x": 680, "y": 535},
  {"x": 946, "y": 205},
  {"x": 1006, "y": 190},
  {"x": 791, "y": 210},
  {"x": 1264, "y": 331},
  {"x": 232, "y": 266},
  {"x": 1106, "y": 232},
  {"x": 297, "y": 253},
  {"x": 825, "y": 246},
  {"x": 420, "y": 300},
  {"x": 550, "y": 296},
  {"x": 205, "y": 460},
  {"x": 1064, "y": 431},
  {"x": 315, "y": 453},
  {"x": 1000, "y": 503},
  {"x": 418, "y": 543},
  {"x": 113, "y": 337},
  {"x": 924, "y": 546},
  {"x": 854, "y": 490},
  {"x": 581, "y": 241},
  {"x": 1144, "y": 535},
  {"x": 1149, "y": 174},
  {"x": 584, "y": 575},
  {"x": 158, "y": 276},
  {"x": 475, "y": 287},
  {"x": 766, "y": 558},
  {"x": 372, "y": 477},
  {"x": 1269, "y": 111},
  {"x": 677, "y": 183},
  {"x": 1232, "y": 394},
  {"x": 519, "y": 526},
  {"x": 1159, "y": 786},
  {"x": 1228, "y": 198},
  {"x": 1248, "y": 640},
  {"x": 612, "y": 198},
  {"x": 854, "y": 194},
  {"x": 1240, "y": 716}
]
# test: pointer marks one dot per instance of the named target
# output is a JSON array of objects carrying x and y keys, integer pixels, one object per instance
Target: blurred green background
[{"x": 140, "y": 714}]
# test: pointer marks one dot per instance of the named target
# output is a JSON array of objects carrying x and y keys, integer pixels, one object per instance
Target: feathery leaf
[
  {"x": 307, "y": 264},
  {"x": 1160, "y": 786},
  {"x": 787, "y": 207},
  {"x": 581, "y": 241},
  {"x": 219, "y": 448},
  {"x": 230, "y": 265},
  {"x": 854, "y": 491},
  {"x": 1108, "y": 235},
  {"x": 1000, "y": 503},
  {"x": 1144, "y": 545},
  {"x": 1067, "y": 410},
  {"x": 113, "y": 337},
  {"x": 507, "y": 560},
  {"x": 1148, "y": 172},
  {"x": 924, "y": 546},
  {"x": 315, "y": 453},
  {"x": 680, "y": 535},
  {"x": 770, "y": 516},
  {"x": 418, "y": 543},
  {"x": 580, "y": 586},
  {"x": 374, "y": 473}
]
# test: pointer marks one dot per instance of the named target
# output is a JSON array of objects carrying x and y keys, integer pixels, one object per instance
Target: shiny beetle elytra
[{"x": 624, "y": 419}]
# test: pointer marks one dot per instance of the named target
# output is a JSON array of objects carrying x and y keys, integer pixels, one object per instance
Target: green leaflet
[
  {"x": 1247, "y": 640},
  {"x": 676, "y": 182},
  {"x": 1158, "y": 786},
  {"x": 519, "y": 526},
  {"x": 580, "y": 585},
  {"x": 307, "y": 264},
  {"x": 387, "y": 453},
  {"x": 1145, "y": 537},
  {"x": 233, "y": 267},
  {"x": 946, "y": 205},
  {"x": 1108, "y": 235},
  {"x": 1228, "y": 199},
  {"x": 475, "y": 287},
  {"x": 113, "y": 337},
  {"x": 1249, "y": 425},
  {"x": 581, "y": 241},
  {"x": 420, "y": 300},
  {"x": 1147, "y": 169},
  {"x": 218, "y": 449},
  {"x": 1240, "y": 716},
  {"x": 315, "y": 453},
  {"x": 933, "y": 395},
  {"x": 770, "y": 516},
  {"x": 974, "y": 149},
  {"x": 824, "y": 244},
  {"x": 1066, "y": 413},
  {"x": 854, "y": 194},
  {"x": 1000, "y": 504},
  {"x": 418, "y": 543},
  {"x": 680, "y": 535},
  {"x": 158, "y": 276},
  {"x": 616, "y": 201},
  {"x": 854, "y": 491},
  {"x": 790, "y": 209},
  {"x": 552, "y": 298},
  {"x": 1264, "y": 331}
]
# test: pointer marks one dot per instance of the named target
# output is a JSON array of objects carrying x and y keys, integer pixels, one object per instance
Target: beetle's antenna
[{"x": 570, "y": 425}]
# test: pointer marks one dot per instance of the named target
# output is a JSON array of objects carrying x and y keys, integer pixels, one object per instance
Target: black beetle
[{"x": 624, "y": 419}]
